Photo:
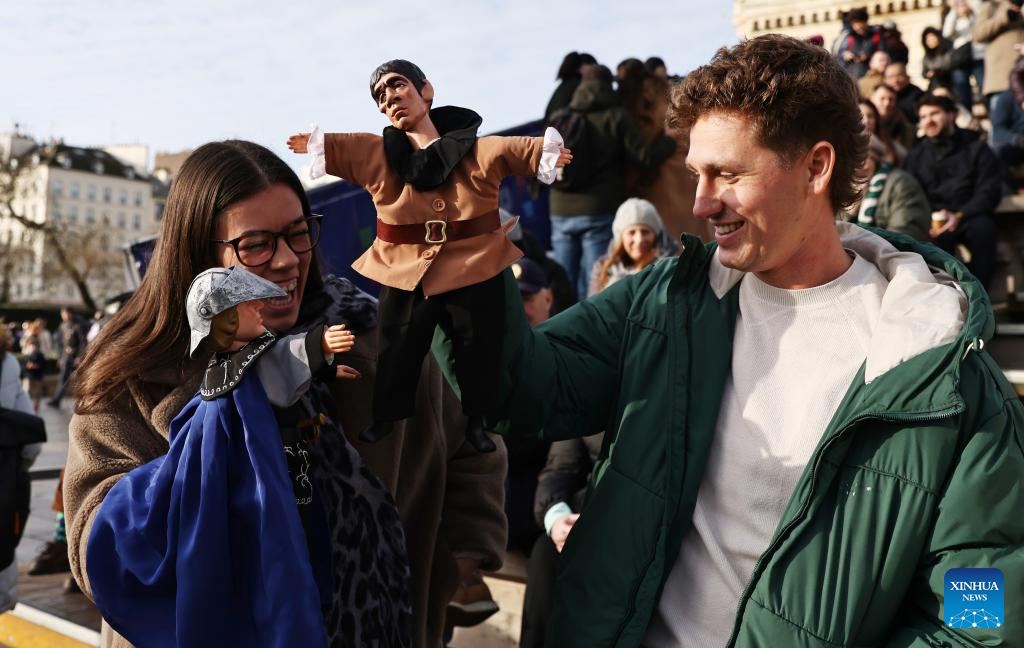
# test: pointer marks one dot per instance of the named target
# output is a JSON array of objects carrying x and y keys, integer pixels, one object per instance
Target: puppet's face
[
  {"x": 275, "y": 209},
  {"x": 250, "y": 321},
  {"x": 398, "y": 98}
]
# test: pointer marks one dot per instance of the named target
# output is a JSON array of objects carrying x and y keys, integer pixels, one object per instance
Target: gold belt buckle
[{"x": 444, "y": 234}]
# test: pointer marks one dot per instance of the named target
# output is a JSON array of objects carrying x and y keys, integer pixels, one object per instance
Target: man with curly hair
[{"x": 804, "y": 432}]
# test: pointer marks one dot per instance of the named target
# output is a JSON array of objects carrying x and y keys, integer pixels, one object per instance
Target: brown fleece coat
[
  {"x": 470, "y": 191},
  {"x": 449, "y": 497}
]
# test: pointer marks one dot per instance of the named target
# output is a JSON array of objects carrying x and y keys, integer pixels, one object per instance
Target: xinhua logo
[{"x": 974, "y": 598}]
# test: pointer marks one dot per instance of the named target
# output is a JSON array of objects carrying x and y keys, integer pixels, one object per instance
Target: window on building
[
  {"x": 137, "y": 221},
  {"x": 58, "y": 188},
  {"x": 90, "y": 216},
  {"x": 105, "y": 220},
  {"x": 73, "y": 215},
  {"x": 17, "y": 290},
  {"x": 97, "y": 166},
  {"x": 122, "y": 197},
  {"x": 138, "y": 199},
  {"x": 120, "y": 220},
  {"x": 107, "y": 192},
  {"x": 73, "y": 189},
  {"x": 90, "y": 192}
]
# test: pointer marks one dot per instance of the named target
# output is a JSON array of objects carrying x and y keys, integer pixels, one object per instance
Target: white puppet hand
[{"x": 338, "y": 339}]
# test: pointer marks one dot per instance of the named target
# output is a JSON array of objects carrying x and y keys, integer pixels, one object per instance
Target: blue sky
[{"x": 175, "y": 75}]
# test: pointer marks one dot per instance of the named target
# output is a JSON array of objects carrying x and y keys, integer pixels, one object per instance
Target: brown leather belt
[{"x": 434, "y": 232}]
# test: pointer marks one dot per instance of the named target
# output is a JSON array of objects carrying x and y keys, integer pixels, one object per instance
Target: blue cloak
[{"x": 204, "y": 546}]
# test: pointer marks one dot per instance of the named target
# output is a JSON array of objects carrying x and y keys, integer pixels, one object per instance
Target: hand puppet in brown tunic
[{"x": 440, "y": 247}]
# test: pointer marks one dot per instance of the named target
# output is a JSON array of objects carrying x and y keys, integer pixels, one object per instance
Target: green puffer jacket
[{"x": 920, "y": 470}]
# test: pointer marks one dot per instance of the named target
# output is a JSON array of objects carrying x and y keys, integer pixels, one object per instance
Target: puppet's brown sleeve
[
  {"x": 356, "y": 157},
  {"x": 513, "y": 155}
]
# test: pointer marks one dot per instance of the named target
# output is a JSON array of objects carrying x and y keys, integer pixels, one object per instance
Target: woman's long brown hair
[{"x": 151, "y": 330}]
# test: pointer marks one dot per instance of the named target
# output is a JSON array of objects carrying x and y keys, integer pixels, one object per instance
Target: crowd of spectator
[
  {"x": 954, "y": 142},
  {"x": 44, "y": 352}
]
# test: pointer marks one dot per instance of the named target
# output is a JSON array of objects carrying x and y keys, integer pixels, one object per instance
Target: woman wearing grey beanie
[{"x": 638, "y": 240}]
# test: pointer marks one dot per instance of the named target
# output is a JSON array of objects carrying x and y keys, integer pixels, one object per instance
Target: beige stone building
[
  {"x": 96, "y": 201},
  {"x": 805, "y": 18}
]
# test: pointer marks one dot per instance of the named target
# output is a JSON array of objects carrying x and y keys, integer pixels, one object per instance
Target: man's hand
[
  {"x": 561, "y": 528},
  {"x": 564, "y": 158},
  {"x": 337, "y": 339},
  {"x": 848, "y": 56},
  {"x": 952, "y": 220},
  {"x": 299, "y": 143},
  {"x": 345, "y": 372}
]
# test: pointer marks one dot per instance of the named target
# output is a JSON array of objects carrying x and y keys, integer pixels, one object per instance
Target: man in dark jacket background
[
  {"x": 963, "y": 180},
  {"x": 581, "y": 216}
]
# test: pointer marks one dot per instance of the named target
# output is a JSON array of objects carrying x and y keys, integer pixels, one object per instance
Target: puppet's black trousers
[{"x": 472, "y": 317}]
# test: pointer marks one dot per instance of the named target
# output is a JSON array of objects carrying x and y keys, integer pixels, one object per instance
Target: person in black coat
[{"x": 963, "y": 180}]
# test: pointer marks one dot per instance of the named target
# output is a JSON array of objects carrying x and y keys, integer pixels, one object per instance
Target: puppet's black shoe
[
  {"x": 476, "y": 434},
  {"x": 471, "y": 604},
  {"x": 377, "y": 431}
]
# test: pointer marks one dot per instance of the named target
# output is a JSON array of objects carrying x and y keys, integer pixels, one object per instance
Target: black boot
[
  {"x": 377, "y": 431},
  {"x": 477, "y": 436}
]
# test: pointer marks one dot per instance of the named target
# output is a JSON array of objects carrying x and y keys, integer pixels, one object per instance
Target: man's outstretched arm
[{"x": 559, "y": 379}]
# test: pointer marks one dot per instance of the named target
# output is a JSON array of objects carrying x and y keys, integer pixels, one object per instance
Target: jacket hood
[
  {"x": 931, "y": 300},
  {"x": 593, "y": 95}
]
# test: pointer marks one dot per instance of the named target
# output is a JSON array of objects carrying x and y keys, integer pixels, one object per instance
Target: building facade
[
  {"x": 94, "y": 202},
  {"x": 806, "y": 18}
]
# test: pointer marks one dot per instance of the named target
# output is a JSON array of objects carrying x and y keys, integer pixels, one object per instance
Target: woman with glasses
[{"x": 233, "y": 203}]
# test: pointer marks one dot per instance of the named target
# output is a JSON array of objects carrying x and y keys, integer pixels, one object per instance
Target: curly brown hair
[{"x": 795, "y": 95}]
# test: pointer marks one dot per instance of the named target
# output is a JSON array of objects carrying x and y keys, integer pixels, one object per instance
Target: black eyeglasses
[{"x": 254, "y": 249}]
